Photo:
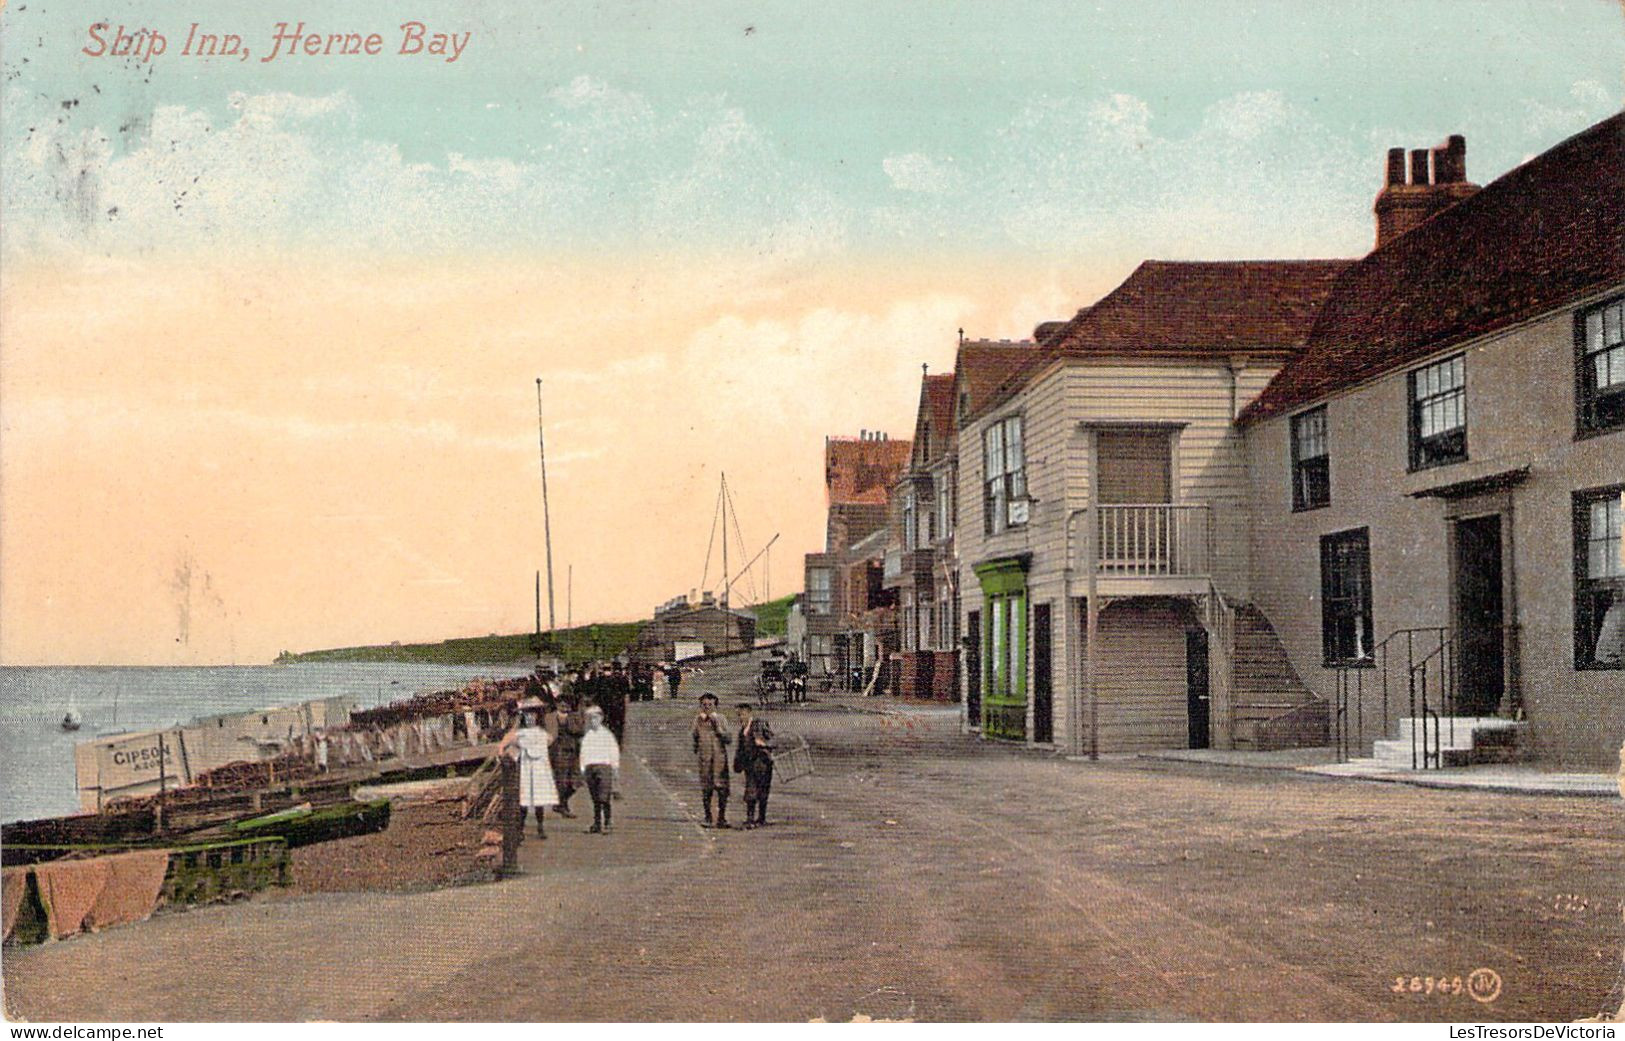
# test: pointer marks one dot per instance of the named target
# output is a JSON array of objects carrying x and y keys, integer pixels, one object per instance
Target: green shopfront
[{"x": 1004, "y": 647}]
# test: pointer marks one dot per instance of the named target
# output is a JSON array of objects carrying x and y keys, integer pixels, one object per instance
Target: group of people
[
  {"x": 752, "y": 756},
  {"x": 571, "y": 732},
  {"x": 570, "y": 735}
]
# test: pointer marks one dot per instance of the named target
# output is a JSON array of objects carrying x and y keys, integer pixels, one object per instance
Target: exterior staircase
[
  {"x": 1272, "y": 709},
  {"x": 1459, "y": 741}
]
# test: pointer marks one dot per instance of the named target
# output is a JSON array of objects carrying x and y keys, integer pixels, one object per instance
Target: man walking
[
  {"x": 600, "y": 761},
  {"x": 753, "y": 757},
  {"x": 710, "y": 732},
  {"x": 565, "y": 752}
]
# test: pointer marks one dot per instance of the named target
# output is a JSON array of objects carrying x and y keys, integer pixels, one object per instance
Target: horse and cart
[{"x": 784, "y": 680}]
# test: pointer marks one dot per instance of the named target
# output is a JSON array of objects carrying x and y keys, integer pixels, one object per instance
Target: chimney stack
[
  {"x": 1438, "y": 180},
  {"x": 1419, "y": 168},
  {"x": 1396, "y": 166},
  {"x": 1450, "y": 161}
]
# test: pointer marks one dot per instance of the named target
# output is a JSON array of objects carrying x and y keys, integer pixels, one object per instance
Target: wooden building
[
  {"x": 919, "y": 561},
  {"x": 683, "y": 628},
  {"x": 1260, "y": 504},
  {"x": 1103, "y": 534}
]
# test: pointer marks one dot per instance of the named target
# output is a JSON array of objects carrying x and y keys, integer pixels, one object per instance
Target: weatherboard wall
[{"x": 1198, "y": 400}]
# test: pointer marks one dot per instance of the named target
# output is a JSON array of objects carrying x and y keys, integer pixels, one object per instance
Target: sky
[{"x": 270, "y": 329}]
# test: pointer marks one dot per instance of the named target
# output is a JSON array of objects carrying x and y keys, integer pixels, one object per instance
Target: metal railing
[
  {"x": 1166, "y": 540},
  {"x": 1423, "y": 663}
]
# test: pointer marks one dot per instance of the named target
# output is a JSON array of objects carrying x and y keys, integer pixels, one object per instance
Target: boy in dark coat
[
  {"x": 565, "y": 752},
  {"x": 753, "y": 757}
]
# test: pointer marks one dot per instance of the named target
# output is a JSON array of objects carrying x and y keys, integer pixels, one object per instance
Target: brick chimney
[{"x": 1401, "y": 206}]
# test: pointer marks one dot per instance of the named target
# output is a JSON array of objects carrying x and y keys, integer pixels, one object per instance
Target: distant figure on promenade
[
  {"x": 753, "y": 757},
  {"x": 565, "y": 752},
  {"x": 614, "y": 688},
  {"x": 711, "y": 739},
  {"x": 674, "y": 676},
  {"x": 600, "y": 761},
  {"x": 536, "y": 787}
]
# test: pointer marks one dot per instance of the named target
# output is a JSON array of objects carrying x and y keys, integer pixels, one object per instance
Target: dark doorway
[
  {"x": 1197, "y": 700},
  {"x": 1480, "y": 617},
  {"x": 973, "y": 668},
  {"x": 1043, "y": 687}
]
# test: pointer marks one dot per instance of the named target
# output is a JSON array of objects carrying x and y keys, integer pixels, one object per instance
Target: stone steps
[{"x": 1459, "y": 741}]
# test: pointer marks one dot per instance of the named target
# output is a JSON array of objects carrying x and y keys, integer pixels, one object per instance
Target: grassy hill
[
  {"x": 582, "y": 643},
  {"x": 770, "y": 616}
]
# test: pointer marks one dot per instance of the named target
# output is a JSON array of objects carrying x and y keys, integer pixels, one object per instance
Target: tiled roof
[
  {"x": 1047, "y": 331},
  {"x": 862, "y": 470},
  {"x": 984, "y": 366},
  {"x": 1542, "y": 235},
  {"x": 1172, "y": 309},
  {"x": 1203, "y": 307},
  {"x": 936, "y": 415}
]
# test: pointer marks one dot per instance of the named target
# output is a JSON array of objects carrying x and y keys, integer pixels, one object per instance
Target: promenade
[{"x": 923, "y": 874}]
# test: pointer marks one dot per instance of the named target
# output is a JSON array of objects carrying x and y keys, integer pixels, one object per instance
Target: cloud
[
  {"x": 602, "y": 168},
  {"x": 914, "y": 172},
  {"x": 598, "y": 167},
  {"x": 1589, "y": 101}
]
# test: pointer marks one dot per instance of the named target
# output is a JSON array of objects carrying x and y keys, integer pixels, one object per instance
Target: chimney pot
[
  {"x": 1419, "y": 167},
  {"x": 1450, "y": 161},
  {"x": 1396, "y": 166}
]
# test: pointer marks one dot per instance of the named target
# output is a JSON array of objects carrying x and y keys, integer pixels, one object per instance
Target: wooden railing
[{"x": 1153, "y": 540}]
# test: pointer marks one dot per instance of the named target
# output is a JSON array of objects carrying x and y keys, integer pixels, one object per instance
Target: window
[
  {"x": 1345, "y": 597},
  {"x": 820, "y": 593},
  {"x": 945, "y": 505},
  {"x": 1600, "y": 367},
  {"x": 1004, "y": 483},
  {"x": 911, "y": 522},
  {"x": 1439, "y": 413},
  {"x": 1599, "y": 579},
  {"x": 1311, "y": 461}
]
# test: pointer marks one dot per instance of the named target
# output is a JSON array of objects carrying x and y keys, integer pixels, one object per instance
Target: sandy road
[{"x": 922, "y": 874}]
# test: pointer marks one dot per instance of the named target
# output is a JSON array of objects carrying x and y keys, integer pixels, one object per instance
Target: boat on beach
[{"x": 71, "y": 719}]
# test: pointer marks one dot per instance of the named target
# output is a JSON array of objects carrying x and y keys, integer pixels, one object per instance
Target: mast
[
  {"x": 726, "y": 620},
  {"x": 538, "y": 606},
  {"x": 547, "y": 522}
]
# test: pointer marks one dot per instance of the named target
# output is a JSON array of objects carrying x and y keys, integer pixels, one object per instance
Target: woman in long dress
[{"x": 536, "y": 788}]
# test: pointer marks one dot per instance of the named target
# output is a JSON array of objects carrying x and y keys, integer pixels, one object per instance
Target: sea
[{"x": 36, "y": 754}]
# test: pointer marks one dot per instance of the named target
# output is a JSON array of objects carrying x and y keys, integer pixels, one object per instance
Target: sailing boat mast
[
  {"x": 547, "y": 522},
  {"x": 726, "y": 621}
]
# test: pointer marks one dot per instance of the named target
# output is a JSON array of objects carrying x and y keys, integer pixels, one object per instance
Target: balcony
[
  {"x": 1149, "y": 549},
  {"x": 905, "y": 565}
]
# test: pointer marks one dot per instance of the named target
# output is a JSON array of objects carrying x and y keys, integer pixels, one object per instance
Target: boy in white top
[{"x": 600, "y": 761}]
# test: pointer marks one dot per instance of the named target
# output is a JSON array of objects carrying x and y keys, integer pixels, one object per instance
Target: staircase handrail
[{"x": 1348, "y": 709}]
